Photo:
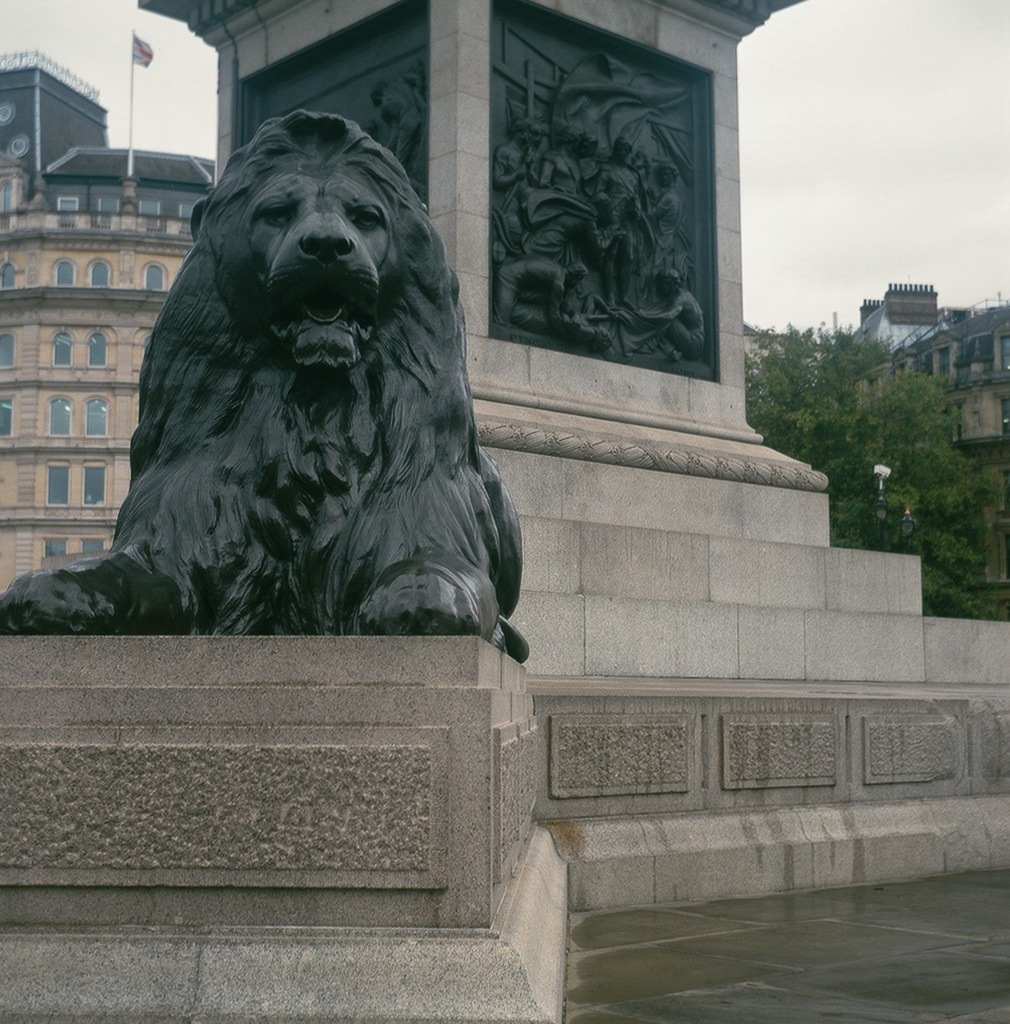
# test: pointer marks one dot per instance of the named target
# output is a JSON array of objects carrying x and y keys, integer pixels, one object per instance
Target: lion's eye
[
  {"x": 276, "y": 216},
  {"x": 366, "y": 217}
]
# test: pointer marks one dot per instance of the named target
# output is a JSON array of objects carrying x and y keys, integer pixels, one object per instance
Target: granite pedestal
[{"x": 297, "y": 828}]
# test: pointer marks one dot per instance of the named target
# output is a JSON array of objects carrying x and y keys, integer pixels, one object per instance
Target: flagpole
[{"x": 133, "y": 65}]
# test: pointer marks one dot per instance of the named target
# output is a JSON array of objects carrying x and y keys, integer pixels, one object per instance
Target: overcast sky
[
  {"x": 875, "y": 148},
  {"x": 874, "y": 134}
]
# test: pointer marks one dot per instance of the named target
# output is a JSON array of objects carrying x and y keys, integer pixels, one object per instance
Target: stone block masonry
[
  {"x": 272, "y": 828},
  {"x": 217, "y": 780},
  {"x": 659, "y": 790}
]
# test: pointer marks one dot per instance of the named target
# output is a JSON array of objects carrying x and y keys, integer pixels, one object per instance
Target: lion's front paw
[
  {"x": 53, "y": 602},
  {"x": 416, "y": 597}
]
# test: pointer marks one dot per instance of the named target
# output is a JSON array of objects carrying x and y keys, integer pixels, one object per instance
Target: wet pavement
[{"x": 931, "y": 950}]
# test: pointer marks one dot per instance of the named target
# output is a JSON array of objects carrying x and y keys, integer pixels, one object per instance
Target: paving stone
[
  {"x": 784, "y": 909},
  {"x": 618, "y": 975},
  {"x": 937, "y": 949},
  {"x": 808, "y": 943},
  {"x": 600, "y": 1017},
  {"x": 625, "y": 927},
  {"x": 943, "y": 982},
  {"x": 761, "y": 1003}
]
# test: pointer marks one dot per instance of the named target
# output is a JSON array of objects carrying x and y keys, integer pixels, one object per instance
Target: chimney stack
[
  {"x": 913, "y": 304},
  {"x": 867, "y": 308}
]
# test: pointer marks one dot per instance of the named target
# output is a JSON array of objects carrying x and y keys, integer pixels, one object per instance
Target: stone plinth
[
  {"x": 513, "y": 971},
  {"x": 282, "y": 781},
  {"x": 296, "y": 828}
]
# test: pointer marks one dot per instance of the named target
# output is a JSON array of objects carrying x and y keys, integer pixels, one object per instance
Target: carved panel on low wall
[
  {"x": 776, "y": 751},
  {"x": 627, "y": 755},
  {"x": 909, "y": 748},
  {"x": 368, "y": 813},
  {"x": 602, "y": 196}
]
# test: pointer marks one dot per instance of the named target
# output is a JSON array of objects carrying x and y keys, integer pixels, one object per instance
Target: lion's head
[
  {"x": 324, "y": 248},
  {"x": 310, "y": 234},
  {"x": 313, "y": 256}
]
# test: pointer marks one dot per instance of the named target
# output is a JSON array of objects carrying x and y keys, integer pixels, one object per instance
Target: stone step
[
  {"x": 619, "y": 862},
  {"x": 566, "y": 557},
  {"x": 573, "y": 490},
  {"x": 587, "y": 634}
]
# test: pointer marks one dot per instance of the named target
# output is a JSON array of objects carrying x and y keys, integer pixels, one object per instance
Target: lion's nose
[{"x": 327, "y": 248}]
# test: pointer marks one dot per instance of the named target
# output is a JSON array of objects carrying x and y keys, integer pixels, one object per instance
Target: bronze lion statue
[{"x": 306, "y": 459}]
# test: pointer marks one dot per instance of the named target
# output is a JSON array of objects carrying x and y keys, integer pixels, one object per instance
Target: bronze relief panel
[{"x": 602, "y": 197}]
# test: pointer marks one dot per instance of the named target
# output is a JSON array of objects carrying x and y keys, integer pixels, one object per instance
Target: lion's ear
[{"x": 196, "y": 217}]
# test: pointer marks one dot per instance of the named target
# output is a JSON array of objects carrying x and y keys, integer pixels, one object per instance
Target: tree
[{"x": 829, "y": 399}]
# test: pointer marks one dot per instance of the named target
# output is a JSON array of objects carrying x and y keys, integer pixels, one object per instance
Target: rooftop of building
[
  {"x": 31, "y": 60},
  {"x": 99, "y": 162},
  {"x": 968, "y": 323}
]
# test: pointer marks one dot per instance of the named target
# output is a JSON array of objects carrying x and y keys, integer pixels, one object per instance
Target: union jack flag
[{"x": 142, "y": 52}]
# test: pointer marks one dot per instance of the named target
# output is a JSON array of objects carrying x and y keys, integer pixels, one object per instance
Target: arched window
[
  {"x": 6, "y": 197},
  {"x": 100, "y": 275},
  {"x": 96, "y": 417},
  {"x": 154, "y": 278},
  {"x": 6, "y": 350},
  {"x": 64, "y": 273},
  {"x": 7, "y": 275},
  {"x": 97, "y": 350},
  {"x": 63, "y": 349},
  {"x": 59, "y": 417}
]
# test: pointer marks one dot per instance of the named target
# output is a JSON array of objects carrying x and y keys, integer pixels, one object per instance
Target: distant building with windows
[
  {"x": 86, "y": 257},
  {"x": 969, "y": 348}
]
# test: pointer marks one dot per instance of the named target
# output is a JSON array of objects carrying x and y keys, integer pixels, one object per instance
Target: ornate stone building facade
[{"x": 86, "y": 258}]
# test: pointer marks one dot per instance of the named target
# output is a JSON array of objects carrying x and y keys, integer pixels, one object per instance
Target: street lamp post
[
  {"x": 880, "y": 505},
  {"x": 907, "y": 528}
]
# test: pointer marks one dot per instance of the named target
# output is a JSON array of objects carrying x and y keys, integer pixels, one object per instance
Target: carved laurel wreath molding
[{"x": 644, "y": 455}]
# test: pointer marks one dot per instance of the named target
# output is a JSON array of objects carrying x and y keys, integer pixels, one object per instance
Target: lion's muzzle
[
  {"x": 323, "y": 288},
  {"x": 326, "y": 247}
]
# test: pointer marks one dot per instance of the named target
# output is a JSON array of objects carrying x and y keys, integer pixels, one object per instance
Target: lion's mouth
[
  {"x": 325, "y": 329},
  {"x": 324, "y": 309}
]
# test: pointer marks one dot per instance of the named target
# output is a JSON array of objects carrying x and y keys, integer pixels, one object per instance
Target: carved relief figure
[
  {"x": 402, "y": 109},
  {"x": 514, "y": 169},
  {"x": 668, "y": 207},
  {"x": 619, "y": 189},
  {"x": 597, "y": 254},
  {"x": 306, "y": 459},
  {"x": 672, "y": 327}
]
